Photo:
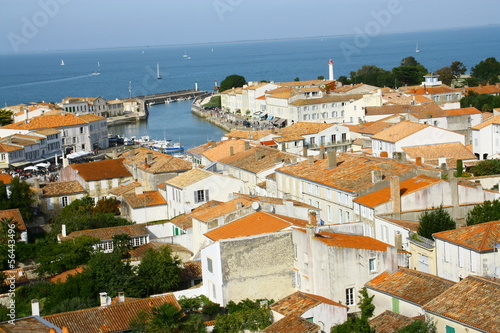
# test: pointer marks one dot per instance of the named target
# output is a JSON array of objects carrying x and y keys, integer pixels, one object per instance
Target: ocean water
[{"x": 131, "y": 72}]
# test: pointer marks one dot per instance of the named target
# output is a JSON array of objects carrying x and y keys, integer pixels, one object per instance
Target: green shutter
[
  {"x": 450, "y": 329},
  {"x": 395, "y": 305}
]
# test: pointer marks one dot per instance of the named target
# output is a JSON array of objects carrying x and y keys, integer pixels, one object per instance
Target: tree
[
  {"x": 106, "y": 206},
  {"x": 296, "y": 79},
  {"x": 21, "y": 197},
  {"x": 344, "y": 80},
  {"x": 321, "y": 77},
  {"x": 410, "y": 72},
  {"x": 487, "y": 71},
  {"x": 418, "y": 326},
  {"x": 55, "y": 258},
  {"x": 482, "y": 102},
  {"x": 370, "y": 74},
  {"x": 486, "y": 168},
  {"x": 5, "y": 117},
  {"x": 358, "y": 324},
  {"x": 485, "y": 212},
  {"x": 457, "y": 69},
  {"x": 165, "y": 268},
  {"x": 435, "y": 221},
  {"x": 232, "y": 81},
  {"x": 121, "y": 244},
  {"x": 166, "y": 318},
  {"x": 245, "y": 315},
  {"x": 4, "y": 198},
  {"x": 445, "y": 75}
]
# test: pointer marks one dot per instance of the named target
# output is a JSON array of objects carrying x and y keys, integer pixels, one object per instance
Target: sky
[{"x": 51, "y": 25}]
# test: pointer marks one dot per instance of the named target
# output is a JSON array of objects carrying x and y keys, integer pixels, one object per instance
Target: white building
[{"x": 486, "y": 138}]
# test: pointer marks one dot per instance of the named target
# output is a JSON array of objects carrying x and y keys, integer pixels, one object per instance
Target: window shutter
[
  {"x": 206, "y": 196},
  {"x": 195, "y": 196}
]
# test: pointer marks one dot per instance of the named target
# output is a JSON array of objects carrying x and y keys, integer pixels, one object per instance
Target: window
[
  {"x": 423, "y": 262},
  {"x": 81, "y": 130},
  {"x": 200, "y": 196},
  {"x": 371, "y": 264},
  {"x": 349, "y": 296},
  {"x": 64, "y": 201},
  {"x": 450, "y": 329},
  {"x": 296, "y": 279},
  {"x": 473, "y": 261},
  {"x": 395, "y": 305},
  {"x": 210, "y": 265},
  {"x": 295, "y": 251}
]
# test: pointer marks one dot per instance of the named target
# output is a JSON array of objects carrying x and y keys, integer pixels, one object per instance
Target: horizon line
[{"x": 242, "y": 41}]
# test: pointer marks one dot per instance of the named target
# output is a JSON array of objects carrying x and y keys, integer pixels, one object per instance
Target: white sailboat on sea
[
  {"x": 158, "y": 76},
  {"x": 97, "y": 72},
  {"x": 417, "y": 49},
  {"x": 62, "y": 62}
]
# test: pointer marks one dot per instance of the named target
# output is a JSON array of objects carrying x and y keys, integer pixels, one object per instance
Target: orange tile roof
[
  {"x": 111, "y": 318},
  {"x": 61, "y": 278},
  {"x": 305, "y": 128},
  {"x": 248, "y": 135},
  {"x": 121, "y": 190},
  {"x": 370, "y": 128},
  {"x": 327, "y": 99},
  {"x": 454, "y": 150},
  {"x": 304, "y": 83},
  {"x": 410, "y": 285},
  {"x": 300, "y": 302},
  {"x": 5, "y": 148},
  {"x": 146, "y": 199},
  {"x": 349, "y": 241},
  {"x": 399, "y": 131},
  {"x": 18, "y": 274},
  {"x": 189, "y": 177},
  {"x": 213, "y": 211},
  {"x": 222, "y": 149},
  {"x": 472, "y": 301},
  {"x": 462, "y": 111},
  {"x": 493, "y": 120},
  {"x": 273, "y": 200},
  {"x": 254, "y": 224},
  {"x": 26, "y": 325},
  {"x": 185, "y": 221},
  {"x": 353, "y": 172},
  {"x": 412, "y": 225},
  {"x": 99, "y": 170},
  {"x": 47, "y": 121},
  {"x": 425, "y": 90},
  {"x": 408, "y": 186},
  {"x": 426, "y": 108},
  {"x": 61, "y": 188},
  {"x": 389, "y": 322},
  {"x": 103, "y": 234},
  {"x": 486, "y": 89},
  {"x": 89, "y": 117},
  {"x": 161, "y": 163},
  {"x": 247, "y": 159},
  {"x": 292, "y": 324},
  {"x": 204, "y": 147},
  {"x": 479, "y": 237},
  {"x": 5, "y": 178},
  {"x": 288, "y": 138},
  {"x": 47, "y": 131},
  {"x": 16, "y": 216}
]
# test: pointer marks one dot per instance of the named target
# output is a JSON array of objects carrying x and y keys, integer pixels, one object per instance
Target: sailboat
[
  {"x": 97, "y": 72},
  {"x": 417, "y": 49},
  {"x": 158, "y": 76},
  {"x": 62, "y": 62}
]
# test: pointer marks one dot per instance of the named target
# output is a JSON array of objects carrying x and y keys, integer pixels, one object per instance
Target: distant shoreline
[{"x": 243, "y": 41}]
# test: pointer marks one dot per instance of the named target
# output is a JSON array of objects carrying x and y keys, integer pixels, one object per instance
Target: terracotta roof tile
[
  {"x": 111, "y": 318},
  {"x": 461, "y": 111},
  {"x": 189, "y": 177},
  {"x": 161, "y": 163},
  {"x": 133, "y": 230},
  {"x": 222, "y": 150},
  {"x": 185, "y": 221},
  {"x": 16, "y": 216},
  {"x": 26, "y": 325},
  {"x": 292, "y": 324},
  {"x": 304, "y": 83},
  {"x": 256, "y": 159},
  {"x": 455, "y": 150},
  {"x": 48, "y": 121},
  {"x": 123, "y": 189},
  {"x": 370, "y": 128},
  {"x": 98, "y": 170},
  {"x": 389, "y": 322},
  {"x": 248, "y": 135},
  {"x": 89, "y": 117},
  {"x": 61, "y": 278},
  {"x": 305, "y": 128},
  {"x": 426, "y": 108},
  {"x": 48, "y": 131},
  {"x": 489, "y": 121},
  {"x": 350, "y": 241},
  {"x": 146, "y": 199},
  {"x": 353, "y": 172},
  {"x": 273, "y": 200},
  {"x": 406, "y": 187},
  {"x": 254, "y": 224},
  {"x": 61, "y": 188},
  {"x": 412, "y": 225},
  {"x": 472, "y": 301},
  {"x": 5, "y": 148},
  {"x": 300, "y": 302},
  {"x": 412, "y": 286},
  {"x": 479, "y": 237},
  {"x": 214, "y": 210},
  {"x": 327, "y": 99},
  {"x": 19, "y": 275},
  {"x": 5, "y": 178},
  {"x": 399, "y": 131},
  {"x": 484, "y": 89},
  {"x": 424, "y": 90}
]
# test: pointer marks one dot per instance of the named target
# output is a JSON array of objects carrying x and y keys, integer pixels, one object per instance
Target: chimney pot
[
  {"x": 322, "y": 152},
  {"x": 35, "y": 307},
  {"x": 149, "y": 158},
  {"x": 102, "y": 297},
  {"x": 121, "y": 297},
  {"x": 304, "y": 151},
  {"x": 332, "y": 159},
  {"x": 258, "y": 154},
  {"x": 214, "y": 144}
]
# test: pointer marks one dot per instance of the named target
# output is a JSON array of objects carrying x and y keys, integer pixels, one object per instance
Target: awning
[
  {"x": 43, "y": 165},
  {"x": 20, "y": 164},
  {"x": 78, "y": 154}
]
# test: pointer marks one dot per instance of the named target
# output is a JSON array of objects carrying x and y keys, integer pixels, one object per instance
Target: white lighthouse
[{"x": 330, "y": 70}]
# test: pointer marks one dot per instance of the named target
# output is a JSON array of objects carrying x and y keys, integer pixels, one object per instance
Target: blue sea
[{"x": 37, "y": 77}]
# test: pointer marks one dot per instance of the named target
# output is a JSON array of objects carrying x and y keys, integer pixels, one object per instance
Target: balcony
[{"x": 315, "y": 146}]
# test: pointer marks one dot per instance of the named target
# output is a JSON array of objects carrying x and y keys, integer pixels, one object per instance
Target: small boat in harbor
[
  {"x": 158, "y": 76},
  {"x": 166, "y": 147},
  {"x": 62, "y": 62}
]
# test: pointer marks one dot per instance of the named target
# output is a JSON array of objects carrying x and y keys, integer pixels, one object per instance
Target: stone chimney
[
  {"x": 139, "y": 190},
  {"x": 63, "y": 230},
  {"x": 322, "y": 152},
  {"x": 277, "y": 158},
  {"x": 103, "y": 298},
  {"x": 311, "y": 159},
  {"x": 65, "y": 162},
  {"x": 214, "y": 144},
  {"x": 395, "y": 194},
  {"x": 304, "y": 151},
  {"x": 247, "y": 145},
  {"x": 310, "y": 230},
  {"x": 398, "y": 241},
  {"x": 231, "y": 151},
  {"x": 149, "y": 158},
  {"x": 121, "y": 297},
  {"x": 376, "y": 176},
  {"x": 332, "y": 159},
  {"x": 35, "y": 307},
  {"x": 114, "y": 154},
  {"x": 239, "y": 204},
  {"x": 392, "y": 259},
  {"x": 258, "y": 154}
]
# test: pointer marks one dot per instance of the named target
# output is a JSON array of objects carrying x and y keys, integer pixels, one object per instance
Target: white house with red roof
[
  {"x": 486, "y": 138},
  {"x": 471, "y": 250},
  {"x": 408, "y": 134}
]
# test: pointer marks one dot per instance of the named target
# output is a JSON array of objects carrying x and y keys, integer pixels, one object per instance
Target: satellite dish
[
  {"x": 255, "y": 205},
  {"x": 270, "y": 209}
]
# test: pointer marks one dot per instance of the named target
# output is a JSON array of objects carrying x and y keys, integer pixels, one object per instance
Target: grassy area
[{"x": 214, "y": 101}]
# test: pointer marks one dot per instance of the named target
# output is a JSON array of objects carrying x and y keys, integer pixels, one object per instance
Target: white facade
[{"x": 486, "y": 140}]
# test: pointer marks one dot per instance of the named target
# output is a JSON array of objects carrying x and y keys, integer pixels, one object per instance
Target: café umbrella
[{"x": 31, "y": 168}]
